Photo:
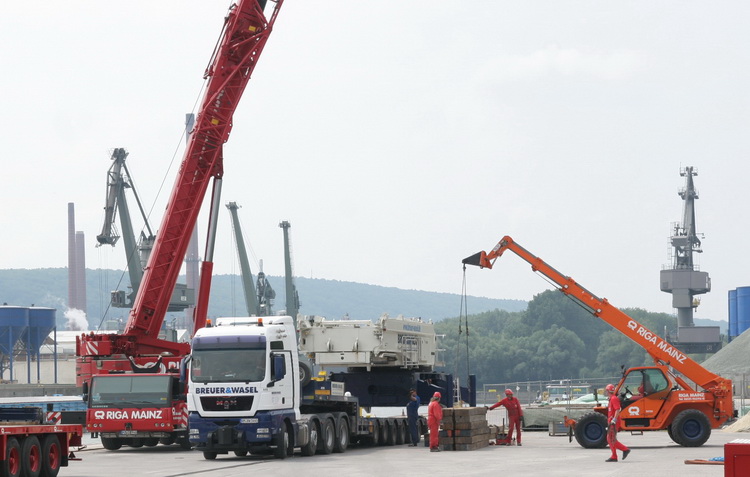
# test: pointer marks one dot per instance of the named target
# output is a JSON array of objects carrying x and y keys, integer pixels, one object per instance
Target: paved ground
[{"x": 543, "y": 455}]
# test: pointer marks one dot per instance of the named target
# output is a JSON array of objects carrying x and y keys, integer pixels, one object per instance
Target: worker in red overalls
[
  {"x": 613, "y": 416},
  {"x": 515, "y": 413},
  {"x": 434, "y": 417}
]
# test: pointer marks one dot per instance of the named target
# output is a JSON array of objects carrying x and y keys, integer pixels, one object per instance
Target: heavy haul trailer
[
  {"x": 245, "y": 396},
  {"x": 653, "y": 398},
  {"x": 30, "y": 446}
]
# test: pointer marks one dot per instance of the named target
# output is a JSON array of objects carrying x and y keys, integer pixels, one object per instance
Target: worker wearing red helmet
[
  {"x": 434, "y": 417},
  {"x": 515, "y": 413},
  {"x": 613, "y": 417}
]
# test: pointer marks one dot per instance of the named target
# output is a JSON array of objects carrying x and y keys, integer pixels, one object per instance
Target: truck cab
[
  {"x": 136, "y": 409},
  {"x": 243, "y": 392}
]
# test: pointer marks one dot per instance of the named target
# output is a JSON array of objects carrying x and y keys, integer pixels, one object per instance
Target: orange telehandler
[{"x": 653, "y": 398}]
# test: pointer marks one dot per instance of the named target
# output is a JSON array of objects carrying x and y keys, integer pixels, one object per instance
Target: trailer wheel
[
  {"x": 111, "y": 443},
  {"x": 169, "y": 440},
  {"x": 327, "y": 436},
  {"x": 283, "y": 442},
  {"x": 374, "y": 439},
  {"x": 51, "y": 456},
  {"x": 31, "y": 457},
  {"x": 342, "y": 436},
  {"x": 691, "y": 428},
  {"x": 385, "y": 431},
  {"x": 591, "y": 430},
  {"x": 399, "y": 428},
  {"x": 312, "y": 439},
  {"x": 209, "y": 455},
  {"x": 241, "y": 453},
  {"x": 392, "y": 431},
  {"x": 11, "y": 466},
  {"x": 151, "y": 441}
]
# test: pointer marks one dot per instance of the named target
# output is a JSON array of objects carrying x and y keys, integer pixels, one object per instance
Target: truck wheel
[
  {"x": 591, "y": 430},
  {"x": 327, "y": 436},
  {"x": 136, "y": 442},
  {"x": 374, "y": 439},
  {"x": 51, "y": 456},
  {"x": 184, "y": 443},
  {"x": 385, "y": 430},
  {"x": 282, "y": 442},
  {"x": 31, "y": 457},
  {"x": 111, "y": 443},
  {"x": 392, "y": 431},
  {"x": 691, "y": 428},
  {"x": 399, "y": 428},
  {"x": 312, "y": 440},
  {"x": 342, "y": 436},
  {"x": 241, "y": 453},
  {"x": 151, "y": 442},
  {"x": 169, "y": 440},
  {"x": 11, "y": 466},
  {"x": 208, "y": 455}
]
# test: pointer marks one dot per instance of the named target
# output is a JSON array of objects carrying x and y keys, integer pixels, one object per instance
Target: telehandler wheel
[
  {"x": 691, "y": 428},
  {"x": 591, "y": 430}
]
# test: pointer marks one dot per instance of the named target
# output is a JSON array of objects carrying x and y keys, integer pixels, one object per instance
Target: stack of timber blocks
[{"x": 464, "y": 429}]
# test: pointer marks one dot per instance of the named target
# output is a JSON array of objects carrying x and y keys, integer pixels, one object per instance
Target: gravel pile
[{"x": 732, "y": 360}]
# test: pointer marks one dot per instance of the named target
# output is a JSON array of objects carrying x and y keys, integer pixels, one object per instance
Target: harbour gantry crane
[
  {"x": 119, "y": 179},
  {"x": 115, "y": 367}
]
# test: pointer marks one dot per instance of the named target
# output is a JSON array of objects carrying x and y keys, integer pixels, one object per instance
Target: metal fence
[{"x": 530, "y": 392}]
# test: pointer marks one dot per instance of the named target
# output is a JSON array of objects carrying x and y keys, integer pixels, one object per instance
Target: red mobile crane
[
  {"x": 130, "y": 380},
  {"x": 655, "y": 397}
]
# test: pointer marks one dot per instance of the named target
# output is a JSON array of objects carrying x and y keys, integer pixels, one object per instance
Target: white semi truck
[{"x": 245, "y": 396}]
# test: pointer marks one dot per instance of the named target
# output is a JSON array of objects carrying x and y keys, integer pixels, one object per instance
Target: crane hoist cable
[{"x": 463, "y": 322}]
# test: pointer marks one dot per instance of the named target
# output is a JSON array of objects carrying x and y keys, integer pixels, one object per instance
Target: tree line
[{"x": 554, "y": 338}]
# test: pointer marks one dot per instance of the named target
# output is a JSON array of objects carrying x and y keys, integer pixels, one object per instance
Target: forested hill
[{"x": 330, "y": 298}]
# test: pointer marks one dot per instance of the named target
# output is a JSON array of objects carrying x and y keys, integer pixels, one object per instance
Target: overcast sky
[{"x": 399, "y": 137}]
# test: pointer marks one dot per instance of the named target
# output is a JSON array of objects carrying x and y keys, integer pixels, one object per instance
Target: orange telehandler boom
[{"x": 662, "y": 398}]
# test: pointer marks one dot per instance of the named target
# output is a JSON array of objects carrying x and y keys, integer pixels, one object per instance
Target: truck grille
[{"x": 227, "y": 403}]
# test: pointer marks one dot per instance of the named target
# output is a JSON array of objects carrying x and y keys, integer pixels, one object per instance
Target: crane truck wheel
[
  {"x": 591, "y": 430},
  {"x": 691, "y": 428},
  {"x": 312, "y": 439},
  {"x": 111, "y": 443},
  {"x": 342, "y": 436},
  {"x": 327, "y": 435}
]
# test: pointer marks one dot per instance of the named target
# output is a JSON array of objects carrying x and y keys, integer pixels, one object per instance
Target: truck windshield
[
  {"x": 125, "y": 390},
  {"x": 223, "y": 365}
]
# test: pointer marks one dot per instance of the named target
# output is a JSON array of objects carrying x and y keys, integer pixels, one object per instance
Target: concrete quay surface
[{"x": 653, "y": 453}]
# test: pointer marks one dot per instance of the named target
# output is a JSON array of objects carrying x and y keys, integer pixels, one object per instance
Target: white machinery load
[{"x": 390, "y": 342}]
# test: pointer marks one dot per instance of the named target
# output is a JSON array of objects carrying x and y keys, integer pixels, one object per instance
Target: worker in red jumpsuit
[
  {"x": 434, "y": 417},
  {"x": 515, "y": 413},
  {"x": 613, "y": 417}
]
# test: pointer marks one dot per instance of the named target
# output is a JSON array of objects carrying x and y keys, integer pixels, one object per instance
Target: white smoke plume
[{"x": 75, "y": 320}]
